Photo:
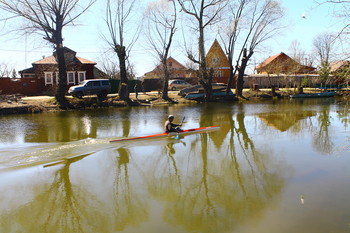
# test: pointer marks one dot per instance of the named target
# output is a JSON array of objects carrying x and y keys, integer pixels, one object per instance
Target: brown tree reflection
[
  {"x": 129, "y": 208},
  {"x": 322, "y": 140},
  {"x": 220, "y": 185},
  {"x": 59, "y": 207}
]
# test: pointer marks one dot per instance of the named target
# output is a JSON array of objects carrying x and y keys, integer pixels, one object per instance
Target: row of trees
[{"x": 242, "y": 25}]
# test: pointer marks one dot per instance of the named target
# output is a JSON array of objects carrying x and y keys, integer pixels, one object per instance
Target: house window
[
  {"x": 216, "y": 61},
  {"x": 70, "y": 78},
  {"x": 81, "y": 76},
  {"x": 48, "y": 78},
  {"x": 219, "y": 73}
]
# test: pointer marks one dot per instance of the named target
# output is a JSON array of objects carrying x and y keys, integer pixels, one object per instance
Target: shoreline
[{"x": 16, "y": 104}]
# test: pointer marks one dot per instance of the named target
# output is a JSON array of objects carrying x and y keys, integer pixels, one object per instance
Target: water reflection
[
  {"x": 212, "y": 191},
  {"x": 62, "y": 127},
  {"x": 57, "y": 205},
  {"x": 283, "y": 121},
  {"x": 322, "y": 140},
  {"x": 129, "y": 207},
  {"x": 220, "y": 181}
]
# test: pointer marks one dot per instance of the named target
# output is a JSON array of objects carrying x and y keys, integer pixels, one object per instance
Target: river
[{"x": 273, "y": 166}]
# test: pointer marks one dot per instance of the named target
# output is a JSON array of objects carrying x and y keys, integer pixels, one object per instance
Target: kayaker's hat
[{"x": 170, "y": 116}]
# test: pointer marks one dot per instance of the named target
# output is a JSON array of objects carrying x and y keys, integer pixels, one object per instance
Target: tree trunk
[
  {"x": 166, "y": 81},
  {"x": 62, "y": 72},
  {"x": 204, "y": 78},
  {"x": 123, "y": 86},
  {"x": 230, "y": 80},
  {"x": 241, "y": 70}
]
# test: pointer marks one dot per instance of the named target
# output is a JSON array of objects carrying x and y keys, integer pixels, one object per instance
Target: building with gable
[
  {"x": 153, "y": 80},
  {"x": 176, "y": 71},
  {"x": 217, "y": 60},
  {"x": 283, "y": 64}
]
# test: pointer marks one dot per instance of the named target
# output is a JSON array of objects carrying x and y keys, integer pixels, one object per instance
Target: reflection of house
[
  {"x": 282, "y": 121},
  {"x": 283, "y": 64},
  {"x": 44, "y": 73},
  {"x": 218, "y": 61}
]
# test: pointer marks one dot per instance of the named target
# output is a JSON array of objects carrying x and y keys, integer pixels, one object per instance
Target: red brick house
[{"x": 43, "y": 75}]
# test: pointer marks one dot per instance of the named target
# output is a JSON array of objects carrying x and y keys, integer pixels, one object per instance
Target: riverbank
[{"x": 16, "y": 104}]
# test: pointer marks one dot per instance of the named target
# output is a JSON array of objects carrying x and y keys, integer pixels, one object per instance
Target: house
[
  {"x": 153, "y": 80},
  {"x": 217, "y": 60},
  {"x": 283, "y": 64},
  {"x": 43, "y": 75},
  {"x": 340, "y": 70},
  {"x": 339, "y": 66},
  {"x": 176, "y": 70}
]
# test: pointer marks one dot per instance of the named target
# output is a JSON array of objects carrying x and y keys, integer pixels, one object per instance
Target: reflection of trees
[
  {"x": 215, "y": 192},
  {"x": 72, "y": 126},
  {"x": 129, "y": 208},
  {"x": 126, "y": 122},
  {"x": 63, "y": 206},
  {"x": 344, "y": 115},
  {"x": 59, "y": 208},
  {"x": 61, "y": 126},
  {"x": 322, "y": 141}
]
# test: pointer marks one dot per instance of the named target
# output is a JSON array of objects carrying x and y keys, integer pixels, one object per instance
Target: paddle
[{"x": 177, "y": 135}]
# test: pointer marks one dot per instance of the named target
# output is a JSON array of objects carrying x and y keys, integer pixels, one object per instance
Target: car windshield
[{"x": 83, "y": 82}]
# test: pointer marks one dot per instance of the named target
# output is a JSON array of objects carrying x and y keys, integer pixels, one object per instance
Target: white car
[{"x": 178, "y": 84}]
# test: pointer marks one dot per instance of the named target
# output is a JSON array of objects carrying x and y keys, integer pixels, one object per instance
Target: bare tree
[
  {"x": 260, "y": 23},
  {"x": 5, "y": 71},
  {"x": 161, "y": 17},
  {"x": 48, "y": 18},
  {"x": 341, "y": 11},
  {"x": 204, "y": 13},
  {"x": 323, "y": 45},
  {"x": 300, "y": 55},
  {"x": 108, "y": 66},
  {"x": 119, "y": 14},
  {"x": 230, "y": 37}
]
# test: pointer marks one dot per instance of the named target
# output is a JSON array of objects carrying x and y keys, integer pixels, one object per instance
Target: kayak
[{"x": 182, "y": 132}]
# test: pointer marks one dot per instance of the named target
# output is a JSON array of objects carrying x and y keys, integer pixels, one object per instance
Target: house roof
[
  {"x": 271, "y": 59},
  {"x": 176, "y": 64},
  {"x": 216, "y": 52},
  {"x": 28, "y": 70},
  {"x": 335, "y": 66},
  {"x": 284, "y": 60},
  {"x": 52, "y": 60}
]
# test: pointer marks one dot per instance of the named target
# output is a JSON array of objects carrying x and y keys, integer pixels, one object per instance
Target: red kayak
[{"x": 185, "y": 131}]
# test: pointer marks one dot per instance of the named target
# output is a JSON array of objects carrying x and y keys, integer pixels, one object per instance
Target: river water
[{"x": 274, "y": 166}]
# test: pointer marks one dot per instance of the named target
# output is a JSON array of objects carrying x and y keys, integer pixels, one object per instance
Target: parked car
[
  {"x": 99, "y": 87},
  {"x": 177, "y": 84}
]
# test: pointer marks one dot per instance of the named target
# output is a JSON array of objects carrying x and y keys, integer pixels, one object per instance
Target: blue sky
[{"x": 19, "y": 52}]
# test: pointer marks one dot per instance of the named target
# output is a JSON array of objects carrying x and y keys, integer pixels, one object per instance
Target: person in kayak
[{"x": 169, "y": 126}]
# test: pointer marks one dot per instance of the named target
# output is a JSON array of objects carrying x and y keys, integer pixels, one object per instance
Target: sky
[{"x": 86, "y": 38}]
